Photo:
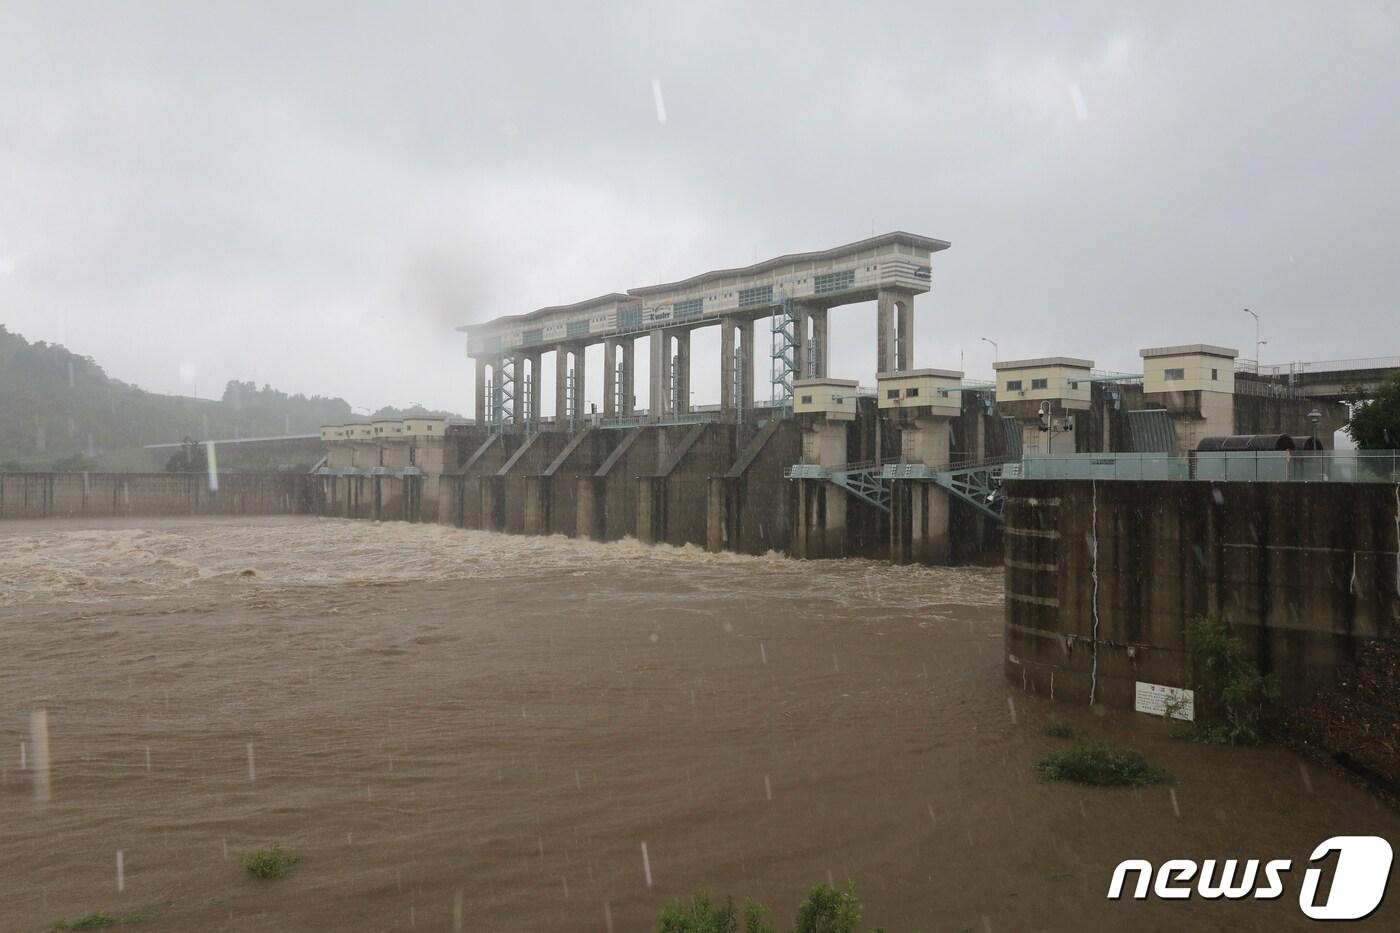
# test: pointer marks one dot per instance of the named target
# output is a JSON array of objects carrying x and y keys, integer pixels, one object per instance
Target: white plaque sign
[{"x": 1154, "y": 699}]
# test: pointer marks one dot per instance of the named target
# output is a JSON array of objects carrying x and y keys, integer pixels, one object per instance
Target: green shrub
[
  {"x": 1234, "y": 701},
  {"x": 1100, "y": 766},
  {"x": 701, "y": 915},
  {"x": 827, "y": 910},
  {"x": 272, "y": 862}
]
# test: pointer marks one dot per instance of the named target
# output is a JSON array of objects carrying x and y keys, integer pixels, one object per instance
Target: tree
[{"x": 1375, "y": 422}]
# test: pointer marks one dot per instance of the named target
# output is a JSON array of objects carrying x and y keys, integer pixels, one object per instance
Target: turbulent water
[{"x": 461, "y": 730}]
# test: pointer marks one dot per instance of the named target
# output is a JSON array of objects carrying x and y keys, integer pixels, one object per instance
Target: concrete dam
[{"x": 909, "y": 464}]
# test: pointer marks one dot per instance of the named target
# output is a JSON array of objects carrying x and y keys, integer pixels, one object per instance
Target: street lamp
[
  {"x": 995, "y": 350},
  {"x": 1314, "y": 416},
  {"x": 1257, "y": 342}
]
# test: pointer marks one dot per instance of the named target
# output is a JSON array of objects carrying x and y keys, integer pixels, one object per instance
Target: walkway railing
[{"x": 1324, "y": 466}]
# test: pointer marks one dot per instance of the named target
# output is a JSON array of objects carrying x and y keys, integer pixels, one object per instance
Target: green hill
[{"x": 57, "y": 406}]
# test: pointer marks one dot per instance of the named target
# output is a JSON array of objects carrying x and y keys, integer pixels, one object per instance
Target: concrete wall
[
  {"x": 1302, "y": 571},
  {"x": 750, "y": 505},
  {"x": 671, "y": 502},
  {"x": 460, "y": 492},
  {"x": 503, "y": 493},
  {"x": 74, "y": 495},
  {"x": 380, "y": 498},
  {"x": 551, "y": 498},
  {"x": 607, "y": 499},
  {"x": 1260, "y": 414}
]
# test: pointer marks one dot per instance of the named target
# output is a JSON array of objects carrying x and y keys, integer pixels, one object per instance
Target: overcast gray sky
[{"x": 313, "y": 195}]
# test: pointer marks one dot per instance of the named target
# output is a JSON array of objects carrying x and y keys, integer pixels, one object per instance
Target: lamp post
[
  {"x": 1258, "y": 344},
  {"x": 996, "y": 351},
  {"x": 1314, "y": 416}
]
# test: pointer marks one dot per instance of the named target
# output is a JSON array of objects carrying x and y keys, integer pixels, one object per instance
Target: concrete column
[
  {"x": 746, "y": 388},
  {"x": 904, "y": 355},
  {"x": 800, "y": 352},
  {"x": 728, "y": 403},
  {"x": 628, "y": 345},
  {"x": 819, "y": 351},
  {"x": 530, "y": 417},
  {"x": 610, "y": 347},
  {"x": 884, "y": 332},
  {"x": 580, "y": 412},
  {"x": 660, "y": 367},
  {"x": 682, "y": 372},
  {"x": 561, "y": 388},
  {"x": 480, "y": 387}
]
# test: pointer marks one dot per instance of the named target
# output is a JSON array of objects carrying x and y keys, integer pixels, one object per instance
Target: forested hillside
[{"x": 57, "y": 405}]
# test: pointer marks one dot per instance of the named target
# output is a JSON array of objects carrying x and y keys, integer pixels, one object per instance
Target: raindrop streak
[
  {"x": 835, "y": 664},
  {"x": 252, "y": 770},
  {"x": 763, "y": 652},
  {"x": 1011, "y": 705},
  {"x": 457, "y": 911},
  {"x": 607, "y": 915},
  {"x": 1307, "y": 779},
  {"x": 213, "y": 466},
  {"x": 660, "y": 103},
  {"x": 931, "y": 818},
  {"x": 767, "y": 787},
  {"x": 1175, "y": 808},
  {"x": 121, "y": 873},
  {"x": 39, "y": 735},
  {"x": 148, "y": 759},
  {"x": 23, "y": 757},
  {"x": 566, "y": 886},
  {"x": 646, "y": 866}
]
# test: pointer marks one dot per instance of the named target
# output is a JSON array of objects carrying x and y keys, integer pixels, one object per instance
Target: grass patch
[
  {"x": 100, "y": 919},
  {"x": 825, "y": 910},
  {"x": 701, "y": 915},
  {"x": 1059, "y": 729},
  {"x": 93, "y": 921},
  {"x": 272, "y": 862},
  {"x": 1100, "y": 766}
]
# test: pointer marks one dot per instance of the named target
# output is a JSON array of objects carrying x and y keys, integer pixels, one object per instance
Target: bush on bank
[
  {"x": 826, "y": 910},
  {"x": 1235, "y": 702}
]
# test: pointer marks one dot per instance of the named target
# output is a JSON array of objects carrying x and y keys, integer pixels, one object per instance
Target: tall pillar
[
  {"x": 480, "y": 388},
  {"x": 736, "y": 369},
  {"x": 884, "y": 332},
  {"x": 682, "y": 372},
  {"x": 628, "y": 345},
  {"x": 904, "y": 344},
  {"x": 728, "y": 402},
  {"x": 530, "y": 407},
  {"x": 610, "y": 347},
  {"x": 746, "y": 350},
  {"x": 819, "y": 350},
  {"x": 894, "y": 331},
  {"x": 580, "y": 412},
  {"x": 659, "y": 404},
  {"x": 561, "y": 388},
  {"x": 800, "y": 351}
]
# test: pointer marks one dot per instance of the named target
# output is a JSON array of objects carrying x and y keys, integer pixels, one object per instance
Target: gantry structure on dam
[{"x": 793, "y": 292}]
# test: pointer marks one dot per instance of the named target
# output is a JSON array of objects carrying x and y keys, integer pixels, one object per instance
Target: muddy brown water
[{"x": 460, "y": 730}]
